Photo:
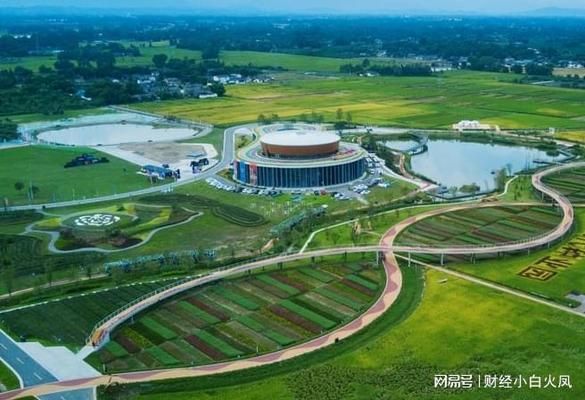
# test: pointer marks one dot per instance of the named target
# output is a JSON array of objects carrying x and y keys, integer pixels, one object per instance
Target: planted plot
[
  {"x": 571, "y": 183},
  {"x": 245, "y": 316},
  {"x": 70, "y": 321},
  {"x": 233, "y": 214},
  {"x": 481, "y": 226}
]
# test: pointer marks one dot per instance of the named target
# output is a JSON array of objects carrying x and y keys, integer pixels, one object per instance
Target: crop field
[
  {"x": 230, "y": 213},
  {"x": 291, "y": 62},
  {"x": 42, "y": 167},
  {"x": 487, "y": 330},
  {"x": 242, "y": 317},
  {"x": 481, "y": 226},
  {"x": 69, "y": 321},
  {"x": 563, "y": 275},
  {"x": 571, "y": 183},
  {"x": 417, "y": 102}
]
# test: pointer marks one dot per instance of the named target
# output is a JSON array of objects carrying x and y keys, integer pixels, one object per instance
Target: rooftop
[{"x": 299, "y": 138}]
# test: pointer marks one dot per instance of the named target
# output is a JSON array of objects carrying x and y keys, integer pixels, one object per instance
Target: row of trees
[
  {"x": 8, "y": 130},
  {"x": 365, "y": 67}
]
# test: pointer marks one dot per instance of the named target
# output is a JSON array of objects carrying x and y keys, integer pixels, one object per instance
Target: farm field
[
  {"x": 571, "y": 183},
  {"x": 552, "y": 273},
  {"x": 417, "y": 102},
  {"x": 69, "y": 321},
  {"x": 499, "y": 334},
  {"x": 258, "y": 313},
  {"x": 577, "y": 136},
  {"x": 481, "y": 226},
  {"x": 291, "y": 62},
  {"x": 42, "y": 166}
]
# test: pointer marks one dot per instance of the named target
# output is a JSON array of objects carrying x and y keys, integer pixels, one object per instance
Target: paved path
[
  {"x": 31, "y": 373},
  {"x": 389, "y": 295}
]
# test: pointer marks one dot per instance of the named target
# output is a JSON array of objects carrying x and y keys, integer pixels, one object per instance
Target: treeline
[
  {"x": 539, "y": 39},
  {"x": 8, "y": 130},
  {"x": 387, "y": 70}
]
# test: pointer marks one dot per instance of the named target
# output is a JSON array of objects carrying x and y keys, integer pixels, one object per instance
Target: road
[
  {"x": 30, "y": 373},
  {"x": 224, "y": 162}
]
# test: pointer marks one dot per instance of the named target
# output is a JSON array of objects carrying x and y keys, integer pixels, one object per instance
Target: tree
[
  {"x": 209, "y": 53},
  {"x": 8, "y": 278},
  {"x": 348, "y": 117},
  {"x": 500, "y": 179},
  {"x": 33, "y": 191},
  {"x": 262, "y": 119},
  {"x": 517, "y": 69},
  {"x": 218, "y": 89},
  {"x": 159, "y": 60},
  {"x": 339, "y": 114},
  {"x": 334, "y": 237},
  {"x": 19, "y": 186},
  {"x": 49, "y": 274}
]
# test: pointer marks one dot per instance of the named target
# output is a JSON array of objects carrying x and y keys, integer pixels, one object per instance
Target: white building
[{"x": 471, "y": 125}]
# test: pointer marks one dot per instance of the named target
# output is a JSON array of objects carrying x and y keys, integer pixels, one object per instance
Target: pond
[
  {"x": 110, "y": 134},
  {"x": 454, "y": 163}
]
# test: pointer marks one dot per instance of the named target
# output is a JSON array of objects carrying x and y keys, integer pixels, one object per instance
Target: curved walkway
[{"x": 389, "y": 295}]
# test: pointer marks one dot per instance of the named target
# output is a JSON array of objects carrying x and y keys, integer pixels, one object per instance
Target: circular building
[
  {"x": 295, "y": 159},
  {"x": 299, "y": 144}
]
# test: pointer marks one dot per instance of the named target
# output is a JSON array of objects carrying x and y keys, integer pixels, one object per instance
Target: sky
[{"x": 312, "y": 6}]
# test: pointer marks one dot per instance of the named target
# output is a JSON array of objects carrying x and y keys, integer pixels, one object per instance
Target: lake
[
  {"x": 110, "y": 134},
  {"x": 456, "y": 163}
]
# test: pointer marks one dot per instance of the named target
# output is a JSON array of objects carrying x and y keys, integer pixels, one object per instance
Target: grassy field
[
  {"x": 569, "y": 269},
  {"x": 291, "y": 62},
  {"x": 481, "y": 226},
  {"x": 42, "y": 166},
  {"x": 418, "y": 102},
  {"x": 8, "y": 380},
  {"x": 366, "y": 231},
  {"x": 571, "y": 183},
  {"x": 255, "y": 314},
  {"x": 577, "y": 136},
  {"x": 498, "y": 334}
]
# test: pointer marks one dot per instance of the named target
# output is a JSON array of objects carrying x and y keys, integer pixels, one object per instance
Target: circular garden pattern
[{"x": 96, "y": 220}]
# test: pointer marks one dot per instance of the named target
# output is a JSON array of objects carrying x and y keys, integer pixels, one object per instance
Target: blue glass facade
[{"x": 305, "y": 177}]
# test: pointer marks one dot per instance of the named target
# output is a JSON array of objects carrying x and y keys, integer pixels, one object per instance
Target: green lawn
[
  {"x": 370, "y": 229},
  {"x": 42, "y": 166},
  {"x": 260, "y": 59},
  {"x": 8, "y": 380},
  {"x": 458, "y": 328}
]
